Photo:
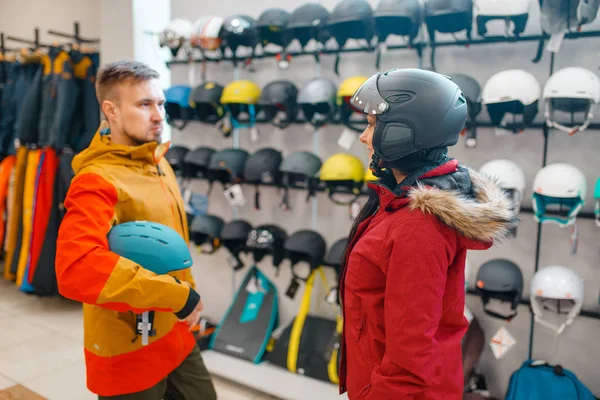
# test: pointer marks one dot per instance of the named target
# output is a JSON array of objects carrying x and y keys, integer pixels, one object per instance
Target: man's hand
[{"x": 194, "y": 318}]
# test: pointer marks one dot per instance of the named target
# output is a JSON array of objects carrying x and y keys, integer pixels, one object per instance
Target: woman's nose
[{"x": 363, "y": 137}]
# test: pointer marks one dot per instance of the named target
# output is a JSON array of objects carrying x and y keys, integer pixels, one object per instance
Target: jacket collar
[{"x": 390, "y": 201}]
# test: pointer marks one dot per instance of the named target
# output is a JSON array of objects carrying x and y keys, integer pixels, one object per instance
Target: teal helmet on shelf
[{"x": 154, "y": 246}]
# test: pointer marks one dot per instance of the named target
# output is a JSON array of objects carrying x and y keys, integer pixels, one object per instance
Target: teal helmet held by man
[{"x": 154, "y": 246}]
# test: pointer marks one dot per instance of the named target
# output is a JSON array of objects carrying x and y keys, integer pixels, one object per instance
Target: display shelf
[
  {"x": 420, "y": 45},
  {"x": 526, "y": 302},
  {"x": 269, "y": 378}
]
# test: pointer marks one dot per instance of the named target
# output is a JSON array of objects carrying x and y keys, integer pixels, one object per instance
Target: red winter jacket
[{"x": 402, "y": 290}]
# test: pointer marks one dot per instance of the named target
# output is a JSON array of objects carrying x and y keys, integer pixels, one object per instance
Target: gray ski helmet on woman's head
[
  {"x": 233, "y": 236},
  {"x": 415, "y": 110},
  {"x": 472, "y": 91},
  {"x": 227, "y": 166},
  {"x": 205, "y": 232},
  {"x": 307, "y": 22},
  {"x": 318, "y": 101},
  {"x": 197, "y": 160},
  {"x": 500, "y": 279},
  {"x": 280, "y": 96}
]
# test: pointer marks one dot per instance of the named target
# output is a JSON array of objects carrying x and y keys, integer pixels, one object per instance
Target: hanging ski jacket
[
  {"x": 6, "y": 169},
  {"x": 9, "y": 107},
  {"x": 87, "y": 113},
  {"x": 402, "y": 289},
  {"x": 114, "y": 184}
]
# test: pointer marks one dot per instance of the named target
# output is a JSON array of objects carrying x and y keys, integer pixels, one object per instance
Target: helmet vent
[{"x": 460, "y": 101}]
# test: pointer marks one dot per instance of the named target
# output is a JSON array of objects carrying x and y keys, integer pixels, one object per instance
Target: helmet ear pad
[{"x": 393, "y": 140}]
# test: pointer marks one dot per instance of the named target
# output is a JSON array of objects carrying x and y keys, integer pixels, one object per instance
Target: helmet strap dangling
[{"x": 375, "y": 166}]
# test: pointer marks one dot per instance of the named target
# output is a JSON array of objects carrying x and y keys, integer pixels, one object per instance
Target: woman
[{"x": 402, "y": 283}]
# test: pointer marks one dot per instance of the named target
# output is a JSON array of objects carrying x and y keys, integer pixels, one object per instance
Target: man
[{"x": 122, "y": 176}]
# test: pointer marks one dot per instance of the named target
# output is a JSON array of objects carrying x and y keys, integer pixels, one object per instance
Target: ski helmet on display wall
[
  {"x": 205, "y": 232},
  {"x": 279, "y": 103},
  {"x": 318, "y": 101},
  {"x": 239, "y": 31},
  {"x": 472, "y": 91},
  {"x": 557, "y": 289},
  {"x": 571, "y": 90},
  {"x": 227, "y": 166},
  {"x": 558, "y": 16},
  {"x": 206, "y": 102},
  {"x": 309, "y": 22},
  {"x": 502, "y": 280},
  {"x": 351, "y": 19},
  {"x": 240, "y": 99},
  {"x": 447, "y": 16},
  {"x": 299, "y": 169},
  {"x": 345, "y": 92},
  {"x": 559, "y": 192},
  {"x": 429, "y": 112},
  {"x": 176, "y": 34},
  {"x": 262, "y": 167},
  {"x": 177, "y": 105},
  {"x": 271, "y": 26},
  {"x": 399, "y": 18},
  {"x": 233, "y": 237},
  {"x": 511, "y": 178},
  {"x": 515, "y": 92},
  {"x": 175, "y": 156},
  {"x": 196, "y": 161},
  {"x": 511, "y": 11},
  {"x": 305, "y": 246},
  {"x": 342, "y": 173},
  {"x": 267, "y": 240}
]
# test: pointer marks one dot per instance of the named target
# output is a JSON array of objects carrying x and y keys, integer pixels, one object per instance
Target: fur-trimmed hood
[{"x": 481, "y": 212}]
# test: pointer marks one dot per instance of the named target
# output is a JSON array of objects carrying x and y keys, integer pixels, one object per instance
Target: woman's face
[{"x": 367, "y": 136}]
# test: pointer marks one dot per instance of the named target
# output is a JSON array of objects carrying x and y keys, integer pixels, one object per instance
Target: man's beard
[{"x": 139, "y": 142}]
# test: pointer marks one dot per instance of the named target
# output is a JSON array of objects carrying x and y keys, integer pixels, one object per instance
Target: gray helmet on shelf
[
  {"x": 318, "y": 101},
  {"x": 500, "y": 279}
]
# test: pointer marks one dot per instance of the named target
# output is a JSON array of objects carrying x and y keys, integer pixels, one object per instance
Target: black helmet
[
  {"x": 305, "y": 245},
  {"x": 447, "y": 16},
  {"x": 227, "y": 166},
  {"x": 472, "y": 91},
  {"x": 267, "y": 240},
  {"x": 238, "y": 30},
  {"x": 175, "y": 156},
  {"x": 351, "y": 19},
  {"x": 397, "y": 17},
  {"x": 262, "y": 167},
  {"x": 271, "y": 25},
  {"x": 500, "y": 279},
  {"x": 233, "y": 236},
  {"x": 196, "y": 161},
  {"x": 279, "y": 97},
  {"x": 206, "y": 100},
  {"x": 309, "y": 21},
  {"x": 206, "y": 230},
  {"x": 415, "y": 109},
  {"x": 300, "y": 169},
  {"x": 334, "y": 257}
]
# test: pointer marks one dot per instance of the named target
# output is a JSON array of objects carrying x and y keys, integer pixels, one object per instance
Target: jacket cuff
[{"x": 190, "y": 304}]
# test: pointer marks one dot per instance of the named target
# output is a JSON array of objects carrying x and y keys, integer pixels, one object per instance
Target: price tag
[
  {"x": 354, "y": 209},
  {"x": 187, "y": 199},
  {"x": 574, "y": 239},
  {"x": 332, "y": 296},
  {"x": 235, "y": 196},
  {"x": 555, "y": 42},
  {"x": 502, "y": 342},
  {"x": 347, "y": 139},
  {"x": 251, "y": 287},
  {"x": 383, "y": 48}
]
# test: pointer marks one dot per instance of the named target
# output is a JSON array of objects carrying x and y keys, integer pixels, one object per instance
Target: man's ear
[{"x": 109, "y": 109}]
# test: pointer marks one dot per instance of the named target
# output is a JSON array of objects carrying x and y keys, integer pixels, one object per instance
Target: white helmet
[
  {"x": 175, "y": 34},
  {"x": 558, "y": 185},
  {"x": 516, "y": 11},
  {"x": 198, "y": 25},
  {"x": 558, "y": 289},
  {"x": 512, "y": 91},
  {"x": 510, "y": 176},
  {"x": 571, "y": 90},
  {"x": 555, "y": 19},
  {"x": 209, "y": 37}
]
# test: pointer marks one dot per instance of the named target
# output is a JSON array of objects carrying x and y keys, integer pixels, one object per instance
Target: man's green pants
[{"x": 190, "y": 381}]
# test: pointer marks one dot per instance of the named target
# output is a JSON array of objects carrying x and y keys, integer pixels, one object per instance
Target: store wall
[
  {"x": 576, "y": 349},
  {"x": 20, "y": 18}
]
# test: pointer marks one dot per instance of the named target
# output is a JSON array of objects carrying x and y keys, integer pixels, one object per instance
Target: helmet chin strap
[{"x": 375, "y": 166}]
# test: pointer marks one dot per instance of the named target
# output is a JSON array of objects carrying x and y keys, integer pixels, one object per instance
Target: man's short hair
[{"x": 121, "y": 72}]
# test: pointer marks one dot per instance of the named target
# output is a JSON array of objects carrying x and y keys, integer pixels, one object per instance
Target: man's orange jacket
[{"x": 114, "y": 184}]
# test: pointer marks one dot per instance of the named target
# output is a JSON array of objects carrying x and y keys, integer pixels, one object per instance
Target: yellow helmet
[
  {"x": 349, "y": 87},
  {"x": 342, "y": 172},
  {"x": 240, "y": 92},
  {"x": 369, "y": 177}
]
